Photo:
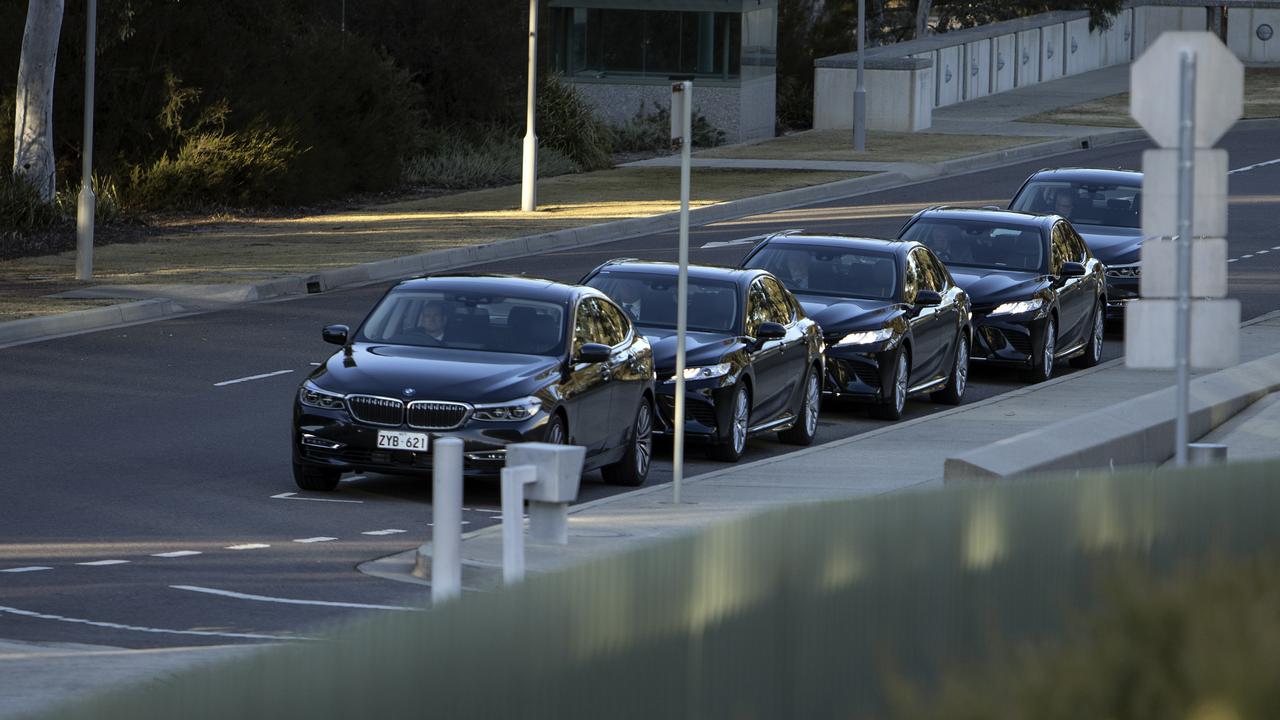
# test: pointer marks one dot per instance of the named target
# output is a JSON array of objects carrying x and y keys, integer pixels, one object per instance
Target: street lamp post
[
  {"x": 87, "y": 203},
  {"x": 860, "y": 92},
  {"x": 529, "y": 171}
]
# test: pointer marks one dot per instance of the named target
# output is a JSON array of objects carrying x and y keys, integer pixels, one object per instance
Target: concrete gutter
[
  {"x": 200, "y": 298},
  {"x": 1136, "y": 432}
]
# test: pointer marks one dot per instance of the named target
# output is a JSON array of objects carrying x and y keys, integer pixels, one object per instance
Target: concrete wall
[
  {"x": 1027, "y": 71},
  {"x": 1004, "y": 62},
  {"x": 1051, "y": 52},
  {"x": 1150, "y": 20},
  {"x": 757, "y": 107},
  {"x": 977, "y": 69},
  {"x": 1083, "y": 48},
  {"x": 1242, "y": 34},
  {"x": 897, "y": 100},
  {"x": 949, "y": 75},
  {"x": 722, "y": 106}
]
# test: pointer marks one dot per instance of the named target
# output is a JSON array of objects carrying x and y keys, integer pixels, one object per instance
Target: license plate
[{"x": 395, "y": 440}]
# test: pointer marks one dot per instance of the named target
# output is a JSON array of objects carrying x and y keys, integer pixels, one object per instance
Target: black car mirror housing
[
  {"x": 770, "y": 331},
  {"x": 336, "y": 334},
  {"x": 928, "y": 297},
  {"x": 1072, "y": 270},
  {"x": 593, "y": 353}
]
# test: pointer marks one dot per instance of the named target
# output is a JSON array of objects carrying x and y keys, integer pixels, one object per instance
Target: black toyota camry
[
  {"x": 1105, "y": 207},
  {"x": 894, "y": 322},
  {"x": 1038, "y": 294},
  {"x": 753, "y": 360},
  {"x": 492, "y": 360}
]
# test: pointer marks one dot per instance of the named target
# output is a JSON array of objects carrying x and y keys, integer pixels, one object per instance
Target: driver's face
[
  {"x": 1063, "y": 204},
  {"x": 433, "y": 319}
]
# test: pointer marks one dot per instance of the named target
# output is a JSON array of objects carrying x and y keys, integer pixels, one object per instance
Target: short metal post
[
  {"x": 529, "y": 164},
  {"x": 1206, "y": 453},
  {"x": 682, "y": 290},
  {"x": 860, "y": 92},
  {"x": 513, "y": 481},
  {"x": 87, "y": 202},
  {"x": 1186, "y": 179},
  {"x": 446, "y": 514}
]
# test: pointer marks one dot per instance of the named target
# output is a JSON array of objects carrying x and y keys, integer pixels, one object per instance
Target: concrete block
[
  {"x": 1052, "y": 52},
  {"x": 1004, "y": 63},
  {"x": 977, "y": 69},
  {"x": 1149, "y": 22},
  {"x": 1160, "y": 268},
  {"x": 146, "y": 310},
  {"x": 1246, "y": 31},
  {"x": 1150, "y": 330},
  {"x": 1160, "y": 193},
  {"x": 899, "y": 100},
  {"x": 1027, "y": 67},
  {"x": 1083, "y": 48},
  {"x": 949, "y": 75},
  {"x": 1118, "y": 41}
]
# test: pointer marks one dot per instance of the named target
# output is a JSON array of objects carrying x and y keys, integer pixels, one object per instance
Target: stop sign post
[{"x": 1186, "y": 91}]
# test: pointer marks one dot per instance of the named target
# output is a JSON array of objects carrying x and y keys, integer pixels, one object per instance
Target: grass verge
[{"x": 881, "y": 147}]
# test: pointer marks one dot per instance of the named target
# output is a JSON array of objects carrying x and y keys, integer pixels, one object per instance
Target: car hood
[
  {"x": 987, "y": 286},
  {"x": 700, "y": 348},
  {"x": 435, "y": 373},
  {"x": 1113, "y": 245},
  {"x": 844, "y": 315}
]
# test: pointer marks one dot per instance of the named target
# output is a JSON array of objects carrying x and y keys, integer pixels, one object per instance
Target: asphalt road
[{"x": 149, "y": 504}]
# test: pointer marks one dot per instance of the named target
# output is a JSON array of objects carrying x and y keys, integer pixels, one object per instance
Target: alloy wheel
[
  {"x": 555, "y": 433},
  {"x": 1099, "y": 324},
  {"x": 741, "y": 414},
  {"x": 811, "y": 400},
  {"x": 962, "y": 366},
  {"x": 644, "y": 438},
  {"x": 1050, "y": 346},
  {"x": 900, "y": 383}
]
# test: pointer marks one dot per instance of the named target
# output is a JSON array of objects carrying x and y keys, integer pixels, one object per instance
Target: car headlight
[
  {"x": 705, "y": 373},
  {"x": 1017, "y": 308},
  {"x": 865, "y": 337},
  {"x": 521, "y": 409},
  {"x": 1124, "y": 271},
  {"x": 313, "y": 396}
]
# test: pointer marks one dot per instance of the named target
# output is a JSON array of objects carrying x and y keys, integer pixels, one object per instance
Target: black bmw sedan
[
  {"x": 753, "y": 361},
  {"x": 492, "y": 360},
  {"x": 894, "y": 322},
  {"x": 1105, "y": 207},
  {"x": 1038, "y": 294}
]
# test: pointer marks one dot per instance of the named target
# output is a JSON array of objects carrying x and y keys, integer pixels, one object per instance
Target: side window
[
  {"x": 757, "y": 307},
  {"x": 1079, "y": 245},
  {"x": 940, "y": 273},
  {"x": 927, "y": 276},
  {"x": 588, "y": 326},
  {"x": 1062, "y": 250},
  {"x": 780, "y": 309},
  {"x": 913, "y": 279},
  {"x": 615, "y": 325}
]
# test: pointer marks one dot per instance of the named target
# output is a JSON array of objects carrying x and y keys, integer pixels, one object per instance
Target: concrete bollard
[
  {"x": 446, "y": 516},
  {"x": 1206, "y": 453},
  {"x": 514, "y": 479},
  {"x": 559, "y": 473}
]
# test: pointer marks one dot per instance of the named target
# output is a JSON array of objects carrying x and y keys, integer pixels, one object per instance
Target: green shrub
[
  {"x": 215, "y": 167},
  {"x": 651, "y": 132},
  {"x": 568, "y": 124},
  {"x": 456, "y": 163},
  {"x": 21, "y": 207}
]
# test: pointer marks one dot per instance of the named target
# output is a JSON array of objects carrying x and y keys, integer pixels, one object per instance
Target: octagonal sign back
[{"x": 1155, "y": 83}]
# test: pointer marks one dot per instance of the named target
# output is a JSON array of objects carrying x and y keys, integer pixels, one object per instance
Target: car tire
[
  {"x": 953, "y": 393},
  {"x": 633, "y": 468},
  {"x": 731, "y": 448},
  {"x": 1042, "y": 356},
  {"x": 557, "y": 432},
  {"x": 892, "y": 406},
  {"x": 307, "y": 477},
  {"x": 806, "y": 427},
  {"x": 1093, "y": 351}
]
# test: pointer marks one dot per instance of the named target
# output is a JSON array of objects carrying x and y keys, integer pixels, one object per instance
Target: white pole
[
  {"x": 446, "y": 516},
  {"x": 682, "y": 288},
  {"x": 1186, "y": 179},
  {"x": 529, "y": 172},
  {"x": 513, "y": 481},
  {"x": 860, "y": 92},
  {"x": 87, "y": 202}
]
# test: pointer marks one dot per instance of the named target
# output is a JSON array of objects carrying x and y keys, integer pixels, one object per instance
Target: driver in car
[{"x": 948, "y": 244}]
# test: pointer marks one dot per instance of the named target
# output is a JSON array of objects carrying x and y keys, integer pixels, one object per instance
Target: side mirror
[
  {"x": 1072, "y": 270},
  {"x": 336, "y": 334},
  {"x": 593, "y": 353},
  {"x": 928, "y": 297},
  {"x": 770, "y": 331}
]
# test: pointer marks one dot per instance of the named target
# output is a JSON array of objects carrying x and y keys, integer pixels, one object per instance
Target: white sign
[
  {"x": 1160, "y": 194},
  {"x": 1155, "y": 90},
  {"x": 1150, "y": 329},
  {"x": 1160, "y": 268}
]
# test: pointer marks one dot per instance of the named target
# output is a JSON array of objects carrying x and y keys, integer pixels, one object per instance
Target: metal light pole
[
  {"x": 87, "y": 203},
  {"x": 1186, "y": 179},
  {"x": 682, "y": 103},
  {"x": 860, "y": 92},
  {"x": 529, "y": 172}
]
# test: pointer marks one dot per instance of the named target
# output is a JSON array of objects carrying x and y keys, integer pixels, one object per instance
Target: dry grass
[
  {"x": 881, "y": 147},
  {"x": 17, "y": 308},
  {"x": 1261, "y": 100}
]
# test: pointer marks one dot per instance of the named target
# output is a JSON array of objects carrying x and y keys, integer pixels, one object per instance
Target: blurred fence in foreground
[{"x": 798, "y": 612}]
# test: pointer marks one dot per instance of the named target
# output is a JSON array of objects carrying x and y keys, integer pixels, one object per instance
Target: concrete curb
[
  {"x": 25, "y": 331},
  {"x": 1135, "y": 432}
]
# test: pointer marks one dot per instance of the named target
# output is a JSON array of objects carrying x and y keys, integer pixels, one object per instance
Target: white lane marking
[
  {"x": 290, "y": 601},
  {"x": 464, "y": 522},
  {"x": 177, "y": 553},
  {"x": 314, "y": 364},
  {"x": 1262, "y": 252},
  {"x": 1254, "y": 166},
  {"x": 291, "y": 496},
  {"x": 29, "y": 568},
  {"x": 247, "y": 546},
  {"x": 315, "y": 539},
  {"x": 1233, "y": 260},
  {"x": 747, "y": 240},
  {"x": 1276, "y": 247},
  {"x": 251, "y": 377},
  {"x": 1246, "y": 257},
  {"x": 388, "y": 531},
  {"x": 136, "y": 628},
  {"x": 98, "y": 563}
]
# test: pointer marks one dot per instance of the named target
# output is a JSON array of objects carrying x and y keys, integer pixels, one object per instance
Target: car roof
[
  {"x": 1117, "y": 176},
  {"x": 739, "y": 276},
  {"x": 1012, "y": 218},
  {"x": 513, "y": 285},
  {"x": 848, "y": 242}
]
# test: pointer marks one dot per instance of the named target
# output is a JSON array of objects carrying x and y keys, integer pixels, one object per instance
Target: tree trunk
[
  {"x": 33, "y": 115},
  {"x": 922, "y": 17}
]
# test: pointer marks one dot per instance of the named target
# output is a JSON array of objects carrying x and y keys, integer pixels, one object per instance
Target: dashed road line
[
  {"x": 177, "y": 554},
  {"x": 289, "y": 601},
  {"x": 315, "y": 539},
  {"x": 137, "y": 628},
  {"x": 101, "y": 563},
  {"x": 1254, "y": 166},
  {"x": 1262, "y": 252},
  {"x": 251, "y": 377},
  {"x": 292, "y": 496},
  {"x": 1246, "y": 257},
  {"x": 247, "y": 546},
  {"x": 1233, "y": 260},
  {"x": 29, "y": 568},
  {"x": 388, "y": 531}
]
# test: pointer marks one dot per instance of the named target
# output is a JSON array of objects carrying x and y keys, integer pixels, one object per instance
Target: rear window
[
  {"x": 978, "y": 243},
  {"x": 1107, "y": 205}
]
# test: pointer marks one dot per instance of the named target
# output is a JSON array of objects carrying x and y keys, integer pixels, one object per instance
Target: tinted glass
[
  {"x": 1062, "y": 249},
  {"x": 615, "y": 323},
  {"x": 980, "y": 243},
  {"x": 593, "y": 324},
  {"x": 467, "y": 321},
  {"x": 817, "y": 270},
  {"x": 1084, "y": 203},
  {"x": 929, "y": 276},
  {"x": 650, "y": 300},
  {"x": 757, "y": 308},
  {"x": 779, "y": 308}
]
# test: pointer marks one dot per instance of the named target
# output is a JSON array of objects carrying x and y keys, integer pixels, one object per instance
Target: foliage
[
  {"x": 650, "y": 132},
  {"x": 956, "y": 14},
  {"x": 568, "y": 124},
  {"x": 457, "y": 163},
  {"x": 1203, "y": 644},
  {"x": 21, "y": 207},
  {"x": 237, "y": 168}
]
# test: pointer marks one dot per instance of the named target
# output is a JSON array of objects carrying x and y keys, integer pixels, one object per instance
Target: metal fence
[{"x": 799, "y": 612}]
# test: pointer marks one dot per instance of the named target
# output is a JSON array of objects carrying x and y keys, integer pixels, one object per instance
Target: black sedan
[
  {"x": 492, "y": 360},
  {"x": 1105, "y": 207},
  {"x": 1038, "y": 294},
  {"x": 753, "y": 361},
  {"x": 894, "y": 321}
]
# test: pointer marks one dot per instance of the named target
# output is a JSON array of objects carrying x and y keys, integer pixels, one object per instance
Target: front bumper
[
  {"x": 332, "y": 439},
  {"x": 856, "y": 373},
  {"x": 706, "y": 408},
  {"x": 1120, "y": 292},
  {"x": 1005, "y": 340}
]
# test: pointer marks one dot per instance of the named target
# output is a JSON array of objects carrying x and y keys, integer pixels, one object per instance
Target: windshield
[
  {"x": 979, "y": 243},
  {"x": 1084, "y": 203},
  {"x": 819, "y": 270},
  {"x": 650, "y": 300},
  {"x": 467, "y": 321}
]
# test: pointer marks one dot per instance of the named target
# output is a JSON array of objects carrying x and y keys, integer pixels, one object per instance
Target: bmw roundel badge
[{"x": 410, "y": 392}]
